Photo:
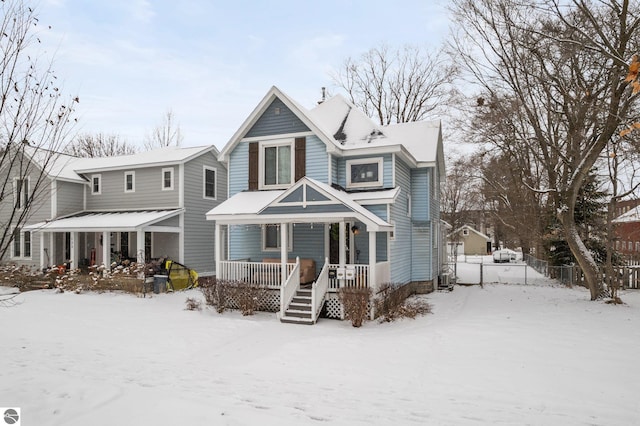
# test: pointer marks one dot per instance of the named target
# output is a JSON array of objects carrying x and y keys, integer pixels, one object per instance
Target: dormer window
[
  {"x": 364, "y": 172},
  {"x": 276, "y": 162}
]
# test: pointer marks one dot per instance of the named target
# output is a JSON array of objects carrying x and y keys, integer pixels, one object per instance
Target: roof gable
[{"x": 276, "y": 119}]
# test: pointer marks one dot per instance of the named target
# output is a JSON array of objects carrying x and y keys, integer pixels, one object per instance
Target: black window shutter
[
  {"x": 301, "y": 158},
  {"x": 253, "y": 166}
]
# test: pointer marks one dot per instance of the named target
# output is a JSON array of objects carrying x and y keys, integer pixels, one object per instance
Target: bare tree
[
  {"x": 564, "y": 64},
  {"x": 99, "y": 145},
  {"x": 35, "y": 121},
  {"x": 397, "y": 86},
  {"x": 165, "y": 134}
]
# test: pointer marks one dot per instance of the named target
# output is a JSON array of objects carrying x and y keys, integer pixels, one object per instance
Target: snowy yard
[{"x": 502, "y": 354}]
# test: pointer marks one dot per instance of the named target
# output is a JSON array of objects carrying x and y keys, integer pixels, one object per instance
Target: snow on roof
[
  {"x": 156, "y": 157},
  {"x": 247, "y": 202},
  {"x": 102, "y": 221},
  {"x": 348, "y": 126},
  {"x": 420, "y": 138},
  {"x": 386, "y": 196},
  {"x": 632, "y": 215},
  {"x": 352, "y": 129}
]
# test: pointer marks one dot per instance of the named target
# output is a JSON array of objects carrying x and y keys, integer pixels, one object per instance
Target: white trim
[
  {"x": 374, "y": 160},
  {"x": 54, "y": 198},
  {"x": 392, "y": 233},
  {"x": 409, "y": 205},
  {"x": 181, "y": 185},
  {"x": 91, "y": 184},
  {"x": 261, "y": 159},
  {"x": 133, "y": 181},
  {"x": 164, "y": 170},
  {"x": 393, "y": 170},
  {"x": 206, "y": 168},
  {"x": 276, "y": 137},
  {"x": 289, "y": 237}
]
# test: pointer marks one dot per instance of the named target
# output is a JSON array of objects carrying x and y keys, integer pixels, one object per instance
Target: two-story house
[
  {"x": 138, "y": 207},
  {"x": 328, "y": 198}
]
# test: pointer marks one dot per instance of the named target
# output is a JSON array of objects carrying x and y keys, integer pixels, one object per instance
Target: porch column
[
  {"x": 342, "y": 241},
  {"x": 372, "y": 261},
  {"x": 106, "y": 252},
  {"x": 42, "y": 251},
  {"x": 217, "y": 249},
  {"x": 284, "y": 241},
  {"x": 140, "y": 245},
  {"x": 73, "y": 250}
]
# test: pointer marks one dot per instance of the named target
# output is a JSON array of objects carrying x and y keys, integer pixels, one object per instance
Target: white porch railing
[
  {"x": 355, "y": 276},
  {"x": 264, "y": 273},
  {"x": 319, "y": 290},
  {"x": 289, "y": 288}
]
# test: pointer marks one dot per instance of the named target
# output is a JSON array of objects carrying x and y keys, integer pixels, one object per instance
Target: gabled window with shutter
[{"x": 276, "y": 164}]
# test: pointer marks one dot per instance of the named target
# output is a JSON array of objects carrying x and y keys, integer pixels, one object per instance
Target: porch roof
[
  {"x": 114, "y": 221},
  {"x": 306, "y": 201}
]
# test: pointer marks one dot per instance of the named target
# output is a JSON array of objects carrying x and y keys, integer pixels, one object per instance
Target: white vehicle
[{"x": 504, "y": 256}]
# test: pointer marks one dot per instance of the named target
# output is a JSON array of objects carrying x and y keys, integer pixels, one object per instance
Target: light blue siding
[
  {"x": 277, "y": 119},
  {"x": 239, "y": 169},
  {"x": 334, "y": 171},
  {"x": 400, "y": 247},
  {"x": 421, "y": 254},
  {"x": 420, "y": 195},
  {"x": 316, "y": 160}
]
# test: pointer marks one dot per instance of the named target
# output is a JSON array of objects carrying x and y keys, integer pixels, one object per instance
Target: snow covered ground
[{"x": 503, "y": 354}]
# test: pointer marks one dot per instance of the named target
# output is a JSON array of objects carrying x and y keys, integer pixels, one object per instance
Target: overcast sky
[{"x": 211, "y": 62}]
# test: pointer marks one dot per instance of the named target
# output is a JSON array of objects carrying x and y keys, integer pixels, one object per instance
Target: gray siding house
[
  {"x": 325, "y": 198},
  {"x": 140, "y": 207}
]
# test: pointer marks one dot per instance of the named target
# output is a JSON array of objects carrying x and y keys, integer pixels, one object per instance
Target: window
[
  {"x": 129, "y": 181},
  {"x": 465, "y": 232},
  {"x": 637, "y": 246},
  {"x": 392, "y": 234},
  {"x": 271, "y": 238},
  {"x": 21, "y": 190},
  {"x": 364, "y": 172},
  {"x": 277, "y": 164},
  {"x": 167, "y": 179},
  {"x": 21, "y": 244},
  {"x": 209, "y": 181},
  {"x": 96, "y": 184}
]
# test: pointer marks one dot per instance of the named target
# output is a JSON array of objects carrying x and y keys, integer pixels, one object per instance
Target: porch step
[
  {"x": 296, "y": 320},
  {"x": 299, "y": 310}
]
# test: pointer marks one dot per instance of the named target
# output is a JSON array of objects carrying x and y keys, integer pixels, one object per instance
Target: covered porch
[
  {"x": 310, "y": 237},
  {"x": 101, "y": 238}
]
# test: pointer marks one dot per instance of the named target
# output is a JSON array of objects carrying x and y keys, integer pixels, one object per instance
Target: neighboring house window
[
  {"x": 364, "y": 172},
  {"x": 277, "y": 164},
  {"x": 129, "y": 181},
  {"x": 21, "y": 244},
  {"x": 96, "y": 184},
  {"x": 465, "y": 232},
  {"x": 209, "y": 179},
  {"x": 167, "y": 179},
  {"x": 271, "y": 238},
  {"x": 637, "y": 246},
  {"x": 392, "y": 234},
  {"x": 21, "y": 189}
]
